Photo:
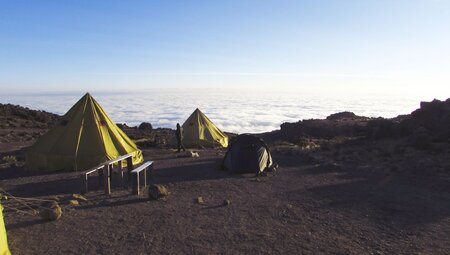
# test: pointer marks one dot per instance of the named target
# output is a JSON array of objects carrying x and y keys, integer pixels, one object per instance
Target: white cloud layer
[{"x": 240, "y": 112}]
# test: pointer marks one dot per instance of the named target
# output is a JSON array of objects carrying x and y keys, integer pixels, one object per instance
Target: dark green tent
[{"x": 247, "y": 154}]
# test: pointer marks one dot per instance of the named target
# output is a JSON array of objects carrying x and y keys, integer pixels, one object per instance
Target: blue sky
[{"x": 389, "y": 45}]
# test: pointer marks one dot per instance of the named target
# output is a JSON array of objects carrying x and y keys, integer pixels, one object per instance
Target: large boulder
[
  {"x": 50, "y": 212},
  {"x": 156, "y": 191},
  {"x": 146, "y": 126}
]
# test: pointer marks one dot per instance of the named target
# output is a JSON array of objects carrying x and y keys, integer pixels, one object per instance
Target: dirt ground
[{"x": 306, "y": 207}]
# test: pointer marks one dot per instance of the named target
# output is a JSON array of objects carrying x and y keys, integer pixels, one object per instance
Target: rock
[
  {"x": 74, "y": 202},
  {"x": 51, "y": 213},
  {"x": 79, "y": 197},
  {"x": 199, "y": 200},
  {"x": 226, "y": 202},
  {"x": 156, "y": 191},
  {"x": 341, "y": 115},
  {"x": 193, "y": 154},
  {"x": 146, "y": 126}
]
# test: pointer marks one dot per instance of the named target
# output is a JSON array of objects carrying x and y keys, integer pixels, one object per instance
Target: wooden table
[{"x": 108, "y": 167}]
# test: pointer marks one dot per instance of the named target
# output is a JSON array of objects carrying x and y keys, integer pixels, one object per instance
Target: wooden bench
[{"x": 135, "y": 177}]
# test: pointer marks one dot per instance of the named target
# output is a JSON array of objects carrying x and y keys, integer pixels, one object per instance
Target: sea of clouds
[{"x": 239, "y": 112}]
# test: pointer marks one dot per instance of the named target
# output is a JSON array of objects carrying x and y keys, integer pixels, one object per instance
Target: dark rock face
[
  {"x": 429, "y": 124},
  {"x": 339, "y": 124},
  {"x": 433, "y": 116},
  {"x": 342, "y": 115}
]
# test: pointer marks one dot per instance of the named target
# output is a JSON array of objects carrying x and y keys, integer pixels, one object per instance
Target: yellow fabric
[
  {"x": 200, "y": 131},
  {"x": 84, "y": 138},
  {"x": 4, "y": 250}
]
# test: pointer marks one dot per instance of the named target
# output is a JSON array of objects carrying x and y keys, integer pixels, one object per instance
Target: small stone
[
  {"x": 199, "y": 200},
  {"x": 226, "y": 202},
  {"x": 156, "y": 191},
  {"x": 51, "y": 213},
  {"x": 74, "y": 202},
  {"x": 194, "y": 154}
]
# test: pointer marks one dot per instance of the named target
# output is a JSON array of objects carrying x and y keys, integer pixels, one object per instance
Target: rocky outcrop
[
  {"x": 15, "y": 116},
  {"x": 339, "y": 124},
  {"x": 342, "y": 115},
  {"x": 432, "y": 118},
  {"x": 145, "y": 126}
]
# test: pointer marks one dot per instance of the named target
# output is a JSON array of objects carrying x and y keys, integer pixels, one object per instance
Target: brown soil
[{"x": 319, "y": 203}]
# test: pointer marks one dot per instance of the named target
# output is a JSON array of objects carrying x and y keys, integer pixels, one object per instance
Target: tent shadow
[
  {"x": 20, "y": 172},
  {"x": 24, "y": 224},
  {"x": 46, "y": 188},
  {"x": 202, "y": 170},
  {"x": 115, "y": 203}
]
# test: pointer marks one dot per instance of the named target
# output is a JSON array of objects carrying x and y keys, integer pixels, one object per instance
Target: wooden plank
[
  {"x": 120, "y": 158},
  {"x": 143, "y": 166}
]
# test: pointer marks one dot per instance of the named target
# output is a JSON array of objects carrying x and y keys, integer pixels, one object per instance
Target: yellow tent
[
  {"x": 84, "y": 138},
  {"x": 4, "y": 250},
  {"x": 200, "y": 131}
]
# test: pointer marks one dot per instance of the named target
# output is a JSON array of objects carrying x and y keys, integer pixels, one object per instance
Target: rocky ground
[{"x": 345, "y": 185}]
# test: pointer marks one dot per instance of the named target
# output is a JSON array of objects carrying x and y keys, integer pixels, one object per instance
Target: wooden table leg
[
  {"x": 135, "y": 184},
  {"x": 145, "y": 177},
  {"x": 84, "y": 183},
  {"x": 121, "y": 173},
  {"x": 107, "y": 179},
  {"x": 129, "y": 168}
]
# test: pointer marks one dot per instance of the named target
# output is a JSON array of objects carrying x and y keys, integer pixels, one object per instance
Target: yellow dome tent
[
  {"x": 4, "y": 250},
  {"x": 200, "y": 131},
  {"x": 84, "y": 138}
]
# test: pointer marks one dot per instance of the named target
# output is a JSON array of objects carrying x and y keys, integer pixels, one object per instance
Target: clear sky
[{"x": 133, "y": 45}]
